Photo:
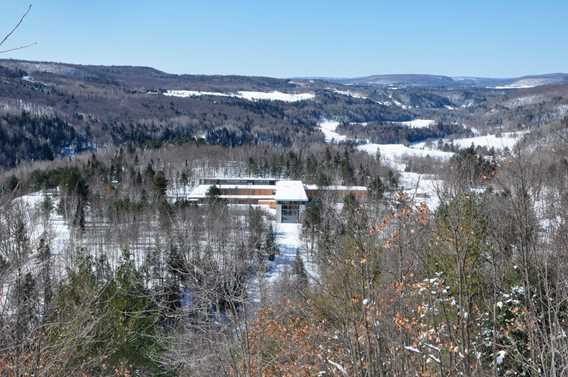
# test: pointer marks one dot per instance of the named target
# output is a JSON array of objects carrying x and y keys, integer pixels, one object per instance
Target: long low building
[{"x": 288, "y": 197}]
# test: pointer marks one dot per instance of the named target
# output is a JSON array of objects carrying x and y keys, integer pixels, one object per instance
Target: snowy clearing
[
  {"x": 328, "y": 128},
  {"x": 349, "y": 93},
  {"x": 393, "y": 154},
  {"x": 418, "y": 123},
  {"x": 506, "y": 140},
  {"x": 527, "y": 83},
  {"x": 276, "y": 96},
  {"x": 58, "y": 231},
  {"x": 248, "y": 95}
]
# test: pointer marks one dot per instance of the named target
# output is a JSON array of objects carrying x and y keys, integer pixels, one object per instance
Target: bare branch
[
  {"x": 18, "y": 48},
  {"x": 13, "y": 30}
]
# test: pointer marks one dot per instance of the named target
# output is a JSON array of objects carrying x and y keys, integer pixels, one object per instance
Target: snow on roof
[
  {"x": 290, "y": 191},
  {"x": 240, "y": 178},
  {"x": 256, "y": 197}
]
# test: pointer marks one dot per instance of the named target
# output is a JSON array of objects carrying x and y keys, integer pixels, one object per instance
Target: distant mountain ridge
[
  {"x": 129, "y": 76},
  {"x": 141, "y": 77},
  {"x": 427, "y": 80}
]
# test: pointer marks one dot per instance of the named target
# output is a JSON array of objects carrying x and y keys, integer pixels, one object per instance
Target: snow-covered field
[
  {"x": 419, "y": 123},
  {"x": 195, "y": 93},
  {"x": 277, "y": 96},
  {"x": 248, "y": 95},
  {"x": 506, "y": 140},
  {"x": 527, "y": 83},
  {"x": 349, "y": 93},
  {"x": 328, "y": 128},
  {"x": 394, "y": 154}
]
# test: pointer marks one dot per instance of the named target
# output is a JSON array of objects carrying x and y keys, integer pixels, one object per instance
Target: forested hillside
[
  {"x": 106, "y": 269},
  {"x": 52, "y": 110},
  {"x": 392, "y": 202},
  {"x": 451, "y": 262}
]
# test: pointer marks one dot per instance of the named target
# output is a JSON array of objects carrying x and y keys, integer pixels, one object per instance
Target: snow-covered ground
[
  {"x": 349, "y": 93},
  {"x": 39, "y": 224},
  {"x": 289, "y": 242},
  {"x": 499, "y": 143},
  {"x": 194, "y": 93},
  {"x": 328, "y": 128},
  {"x": 423, "y": 188},
  {"x": 420, "y": 187},
  {"x": 394, "y": 154},
  {"x": 362, "y": 124},
  {"x": 248, "y": 95},
  {"x": 527, "y": 83},
  {"x": 58, "y": 231},
  {"x": 506, "y": 140},
  {"x": 276, "y": 96},
  {"x": 419, "y": 123}
]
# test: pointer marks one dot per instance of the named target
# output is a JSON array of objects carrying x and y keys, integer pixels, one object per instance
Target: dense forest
[
  {"x": 106, "y": 270},
  {"x": 54, "y": 110},
  {"x": 392, "y": 133}
]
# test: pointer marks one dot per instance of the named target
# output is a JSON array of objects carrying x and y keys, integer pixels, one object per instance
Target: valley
[{"x": 404, "y": 200}]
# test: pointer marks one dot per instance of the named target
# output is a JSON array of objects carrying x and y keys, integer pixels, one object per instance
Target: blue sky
[{"x": 288, "y": 38}]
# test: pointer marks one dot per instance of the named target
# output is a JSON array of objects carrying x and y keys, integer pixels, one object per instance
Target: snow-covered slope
[
  {"x": 419, "y": 123},
  {"x": 349, "y": 93},
  {"x": 248, "y": 95},
  {"x": 506, "y": 140},
  {"x": 394, "y": 154},
  {"x": 328, "y": 128}
]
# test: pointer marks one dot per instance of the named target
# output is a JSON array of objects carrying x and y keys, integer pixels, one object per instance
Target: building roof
[
  {"x": 241, "y": 178},
  {"x": 201, "y": 191},
  {"x": 284, "y": 191},
  {"x": 290, "y": 191},
  {"x": 336, "y": 188},
  {"x": 238, "y": 180}
]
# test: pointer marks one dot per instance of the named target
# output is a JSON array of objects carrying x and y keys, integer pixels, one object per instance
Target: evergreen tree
[
  {"x": 160, "y": 184},
  {"x": 376, "y": 189},
  {"x": 11, "y": 183},
  {"x": 270, "y": 243},
  {"x": 256, "y": 230}
]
